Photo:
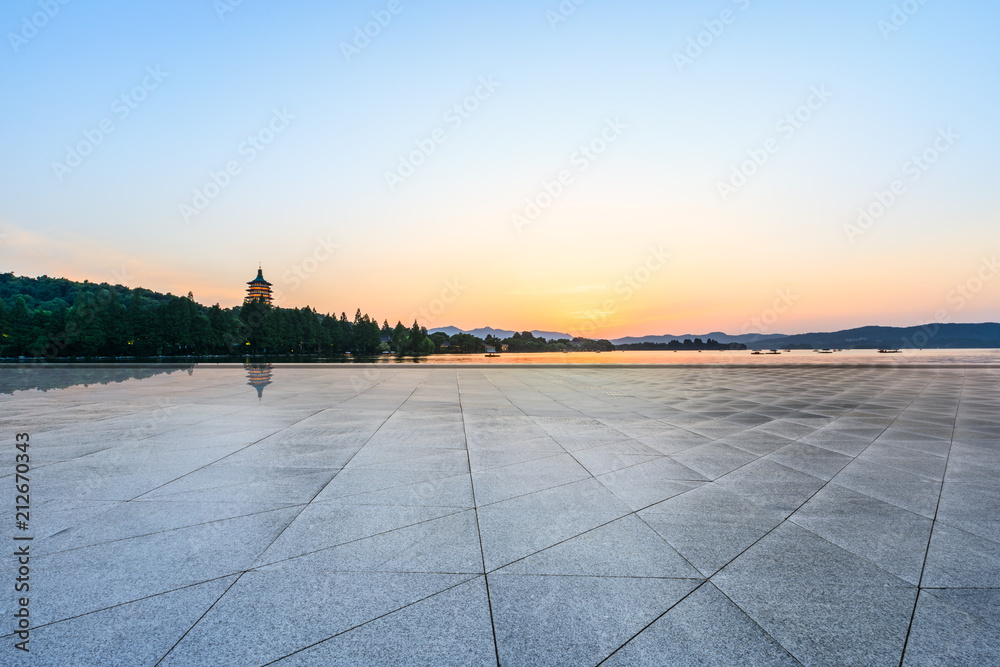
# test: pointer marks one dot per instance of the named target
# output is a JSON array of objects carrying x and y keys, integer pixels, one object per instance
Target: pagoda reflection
[{"x": 259, "y": 376}]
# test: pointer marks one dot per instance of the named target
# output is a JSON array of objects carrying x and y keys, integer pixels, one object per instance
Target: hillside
[
  {"x": 483, "y": 332},
  {"x": 949, "y": 336},
  {"x": 715, "y": 335},
  {"x": 58, "y": 318}
]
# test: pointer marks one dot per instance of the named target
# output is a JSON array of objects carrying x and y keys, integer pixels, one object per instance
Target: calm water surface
[
  {"x": 260, "y": 373},
  {"x": 979, "y": 356}
]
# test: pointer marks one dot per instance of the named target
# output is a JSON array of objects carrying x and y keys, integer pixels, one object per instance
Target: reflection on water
[
  {"x": 260, "y": 373},
  {"x": 23, "y": 377},
  {"x": 658, "y": 357},
  {"x": 741, "y": 357},
  {"x": 644, "y": 357},
  {"x": 259, "y": 376}
]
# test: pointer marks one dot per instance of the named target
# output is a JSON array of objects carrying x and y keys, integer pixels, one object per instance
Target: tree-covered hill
[
  {"x": 50, "y": 294},
  {"x": 55, "y": 317},
  {"x": 935, "y": 335}
]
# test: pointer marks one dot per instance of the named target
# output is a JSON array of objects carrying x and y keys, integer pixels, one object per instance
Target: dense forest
[
  {"x": 58, "y": 318},
  {"x": 55, "y": 317}
]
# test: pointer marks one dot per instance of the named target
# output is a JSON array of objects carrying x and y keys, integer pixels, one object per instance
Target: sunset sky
[{"x": 628, "y": 168}]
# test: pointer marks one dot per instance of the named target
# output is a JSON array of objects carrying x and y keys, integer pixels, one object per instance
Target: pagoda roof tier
[{"x": 259, "y": 280}]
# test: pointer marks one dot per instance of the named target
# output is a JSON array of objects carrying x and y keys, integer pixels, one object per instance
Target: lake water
[
  {"x": 977, "y": 356},
  {"x": 657, "y": 357},
  {"x": 44, "y": 376}
]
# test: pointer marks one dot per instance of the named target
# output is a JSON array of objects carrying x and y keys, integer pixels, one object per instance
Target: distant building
[
  {"x": 258, "y": 288},
  {"x": 490, "y": 349}
]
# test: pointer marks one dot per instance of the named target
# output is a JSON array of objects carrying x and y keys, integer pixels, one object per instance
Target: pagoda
[
  {"x": 259, "y": 376},
  {"x": 258, "y": 289}
]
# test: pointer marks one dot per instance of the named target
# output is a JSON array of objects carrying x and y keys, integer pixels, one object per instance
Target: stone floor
[{"x": 521, "y": 516}]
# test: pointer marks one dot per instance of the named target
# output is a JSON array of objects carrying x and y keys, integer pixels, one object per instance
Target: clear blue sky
[{"x": 674, "y": 130}]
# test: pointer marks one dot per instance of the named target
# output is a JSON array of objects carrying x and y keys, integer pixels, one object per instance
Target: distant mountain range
[
  {"x": 664, "y": 338},
  {"x": 715, "y": 335},
  {"x": 500, "y": 333},
  {"x": 925, "y": 336}
]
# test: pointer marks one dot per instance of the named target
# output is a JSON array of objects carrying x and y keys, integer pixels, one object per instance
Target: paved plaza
[{"x": 407, "y": 514}]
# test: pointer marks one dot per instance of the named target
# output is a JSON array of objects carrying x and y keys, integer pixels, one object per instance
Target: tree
[
  {"x": 439, "y": 337},
  {"x": 466, "y": 344},
  {"x": 417, "y": 336},
  {"x": 312, "y": 333},
  {"x": 400, "y": 338},
  {"x": 181, "y": 325},
  {"x": 84, "y": 327},
  {"x": 332, "y": 336},
  {"x": 222, "y": 331},
  {"x": 367, "y": 335},
  {"x": 346, "y": 332},
  {"x": 3, "y": 317},
  {"x": 21, "y": 333},
  {"x": 253, "y": 317},
  {"x": 426, "y": 347},
  {"x": 142, "y": 334},
  {"x": 110, "y": 313}
]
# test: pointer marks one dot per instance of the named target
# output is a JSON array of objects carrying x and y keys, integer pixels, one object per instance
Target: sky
[{"x": 604, "y": 169}]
